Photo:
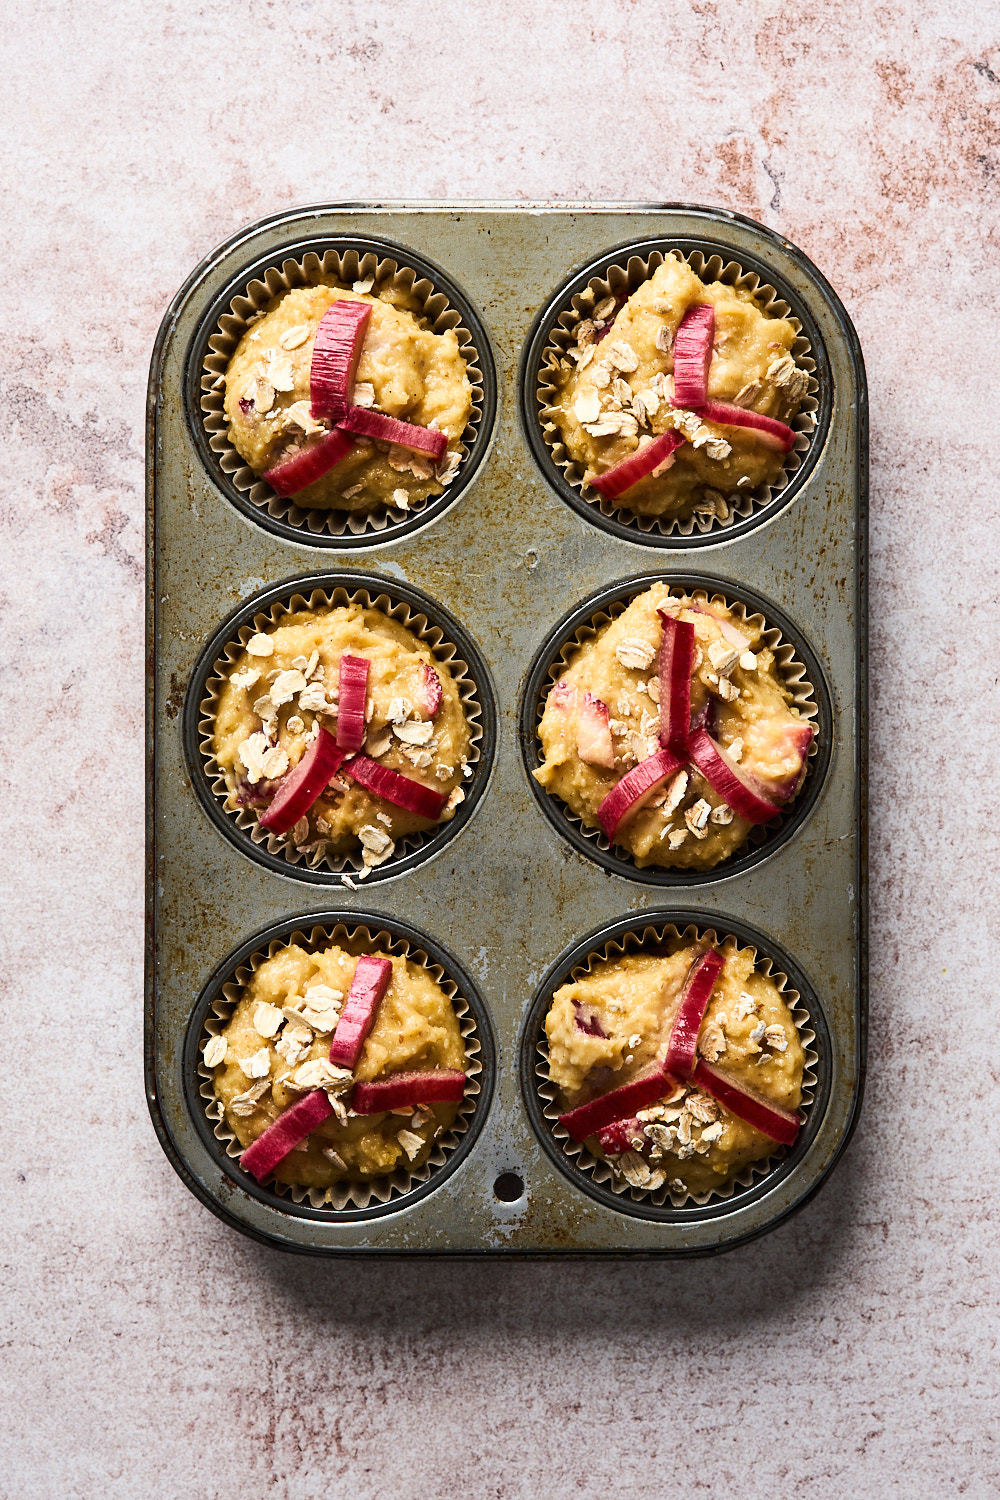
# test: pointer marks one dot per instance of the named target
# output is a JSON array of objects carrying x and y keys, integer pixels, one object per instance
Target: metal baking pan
[{"x": 510, "y": 899}]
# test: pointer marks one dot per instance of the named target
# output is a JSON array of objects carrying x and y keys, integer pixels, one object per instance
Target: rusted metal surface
[{"x": 508, "y": 894}]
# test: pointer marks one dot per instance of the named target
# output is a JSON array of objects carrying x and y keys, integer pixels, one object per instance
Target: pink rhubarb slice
[
  {"x": 791, "y": 744},
  {"x": 352, "y": 689},
  {"x": 693, "y": 355},
  {"x": 429, "y": 692},
  {"x": 635, "y": 789},
  {"x": 655, "y": 455},
  {"x": 780, "y": 1124},
  {"x": 744, "y": 795},
  {"x": 285, "y": 1133},
  {"x": 337, "y": 348},
  {"x": 305, "y": 468},
  {"x": 676, "y": 667},
  {"x": 593, "y": 733},
  {"x": 301, "y": 787},
  {"x": 587, "y": 1021},
  {"x": 588, "y": 1119},
  {"x": 364, "y": 422},
  {"x": 770, "y": 431},
  {"x": 443, "y": 1086},
  {"x": 623, "y": 1135},
  {"x": 733, "y": 636},
  {"x": 368, "y": 987},
  {"x": 682, "y": 1050},
  {"x": 412, "y": 796}
]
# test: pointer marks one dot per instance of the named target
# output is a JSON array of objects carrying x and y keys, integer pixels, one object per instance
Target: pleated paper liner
[
  {"x": 575, "y": 1153},
  {"x": 243, "y": 821},
  {"x": 338, "y": 269},
  {"x": 716, "y": 511},
  {"x": 791, "y": 671},
  {"x": 376, "y": 1190}
]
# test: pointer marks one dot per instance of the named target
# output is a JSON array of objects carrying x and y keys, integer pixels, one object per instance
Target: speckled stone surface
[{"x": 148, "y": 1350}]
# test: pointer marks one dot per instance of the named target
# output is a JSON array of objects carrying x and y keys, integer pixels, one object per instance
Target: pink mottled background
[{"x": 148, "y": 1350}]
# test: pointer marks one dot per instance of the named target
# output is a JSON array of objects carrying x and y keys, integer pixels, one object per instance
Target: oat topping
[
  {"x": 246, "y": 1103},
  {"x": 635, "y": 654},
  {"x": 261, "y": 759},
  {"x": 266, "y": 1019},
  {"x": 215, "y": 1051},
  {"x": 411, "y": 1143},
  {"x": 712, "y": 1041},
  {"x": 722, "y": 814},
  {"x": 245, "y": 678},
  {"x": 260, "y": 645},
  {"x": 748, "y": 661},
  {"x": 746, "y": 1005},
  {"x": 775, "y": 1038},
  {"x": 319, "y": 1074},
  {"x": 696, "y": 818}
]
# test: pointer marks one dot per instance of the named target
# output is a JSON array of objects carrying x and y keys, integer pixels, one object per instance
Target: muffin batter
[
  {"x": 620, "y": 390},
  {"x": 285, "y": 684},
  {"x": 405, "y": 371},
  {"x": 687, "y": 1138},
  {"x": 276, "y": 1048},
  {"x": 751, "y": 714}
]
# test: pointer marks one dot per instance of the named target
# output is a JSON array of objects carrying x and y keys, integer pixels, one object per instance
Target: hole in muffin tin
[
  {"x": 592, "y": 842},
  {"x": 365, "y": 930},
  {"x": 509, "y": 1187},
  {"x": 656, "y": 531},
  {"x": 446, "y": 304},
  {"x": 644, "y": 932},
  {"x": 449, "y": 642}
]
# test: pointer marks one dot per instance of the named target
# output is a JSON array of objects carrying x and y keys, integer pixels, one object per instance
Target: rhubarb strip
[
  {"x": 337, "y": 349},
  {"x": 593, "y": 733},
  {"x": 429, "y": 691},
  {"x": 635, "y": 789},
  {"x": 372, "y": 977},
  {"x": 623, "y": 1135},
  {"x": 285, "y": 1133},
  {"x": 412, "y": 796},
  {"x": 693, "y": 355},
  {"x": 586, "y": 1021},
  {"x": 658, "y": 454},
  {"x": 588, "y": 1119},
  {"x": 780, "y": 1124},
  {"x": 734, "y": 786},
  {"x": 770, "y": 431},
  {"x": 676, "y": 666},
  {"x": 364, "y": 422},
  {"x": 351, "y": 700},
  {"x": 301, "y": 787},
  {"x": 682, "y": 1050},
  {"x": 442, "y": 1086},
  {"x": 305, "y": 468}
]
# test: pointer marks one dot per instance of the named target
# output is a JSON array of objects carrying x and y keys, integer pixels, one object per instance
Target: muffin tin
[{"x": 510, "y": 900}]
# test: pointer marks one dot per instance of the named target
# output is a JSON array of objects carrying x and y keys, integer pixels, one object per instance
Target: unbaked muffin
[
  {"x": 273, "y": 1055},
  {"x": 603, "y": 720},
  {"x": 618, "y": 394},
  {"x": 613, "y": 1027},
  {"x": 406, "y": 371},
  {"x": 283, "y": 691}
]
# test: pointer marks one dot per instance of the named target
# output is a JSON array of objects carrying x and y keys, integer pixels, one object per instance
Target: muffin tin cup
[
  {"x": 360, "y": 933},
  {"x": 798, "y": 668},
  {"x": 449, "y": 644},
  {"x": 443, "y": 306},
  {"x": 666, "y": 932},
  {"x": 719, "y": 515}
]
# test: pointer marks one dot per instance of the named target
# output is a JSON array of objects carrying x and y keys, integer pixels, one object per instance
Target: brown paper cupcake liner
[
  {"x": 717, "y": 511},
  {"x": 790, "y": 669},
  {"x": 596, "y": 1167},
  {"x": 251, "y": 304},
  {"x": 246, "y": 818},
  {"x": 377, "y": 1190}
]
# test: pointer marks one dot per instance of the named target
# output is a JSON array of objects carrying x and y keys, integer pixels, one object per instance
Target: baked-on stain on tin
[{"x": 508, "y": 559}]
